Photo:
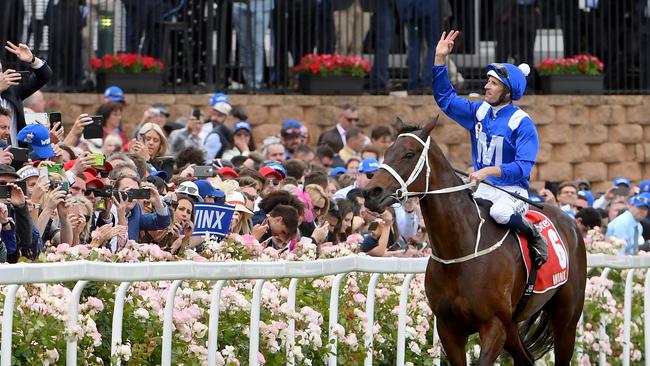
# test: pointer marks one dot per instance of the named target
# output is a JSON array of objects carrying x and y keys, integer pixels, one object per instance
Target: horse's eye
[{"x": 409, "y": 155}]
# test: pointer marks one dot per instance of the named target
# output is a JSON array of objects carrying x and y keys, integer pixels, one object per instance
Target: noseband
[{"x": 402, "y": 194}]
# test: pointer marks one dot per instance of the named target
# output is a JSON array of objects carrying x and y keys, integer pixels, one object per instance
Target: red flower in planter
[
  {"x": 578, "y": 64},
  {"x": 332, "y": 64},
  {"x": 126, "y": 62}
]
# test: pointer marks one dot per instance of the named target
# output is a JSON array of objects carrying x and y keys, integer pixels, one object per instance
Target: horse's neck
[{"x": 451, "y": 219}]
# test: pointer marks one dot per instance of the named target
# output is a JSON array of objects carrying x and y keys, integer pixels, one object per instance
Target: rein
[{"x": 402, "y": 194}]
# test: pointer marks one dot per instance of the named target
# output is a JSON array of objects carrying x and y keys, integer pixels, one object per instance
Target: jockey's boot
[{"x": 537, "y": 244}]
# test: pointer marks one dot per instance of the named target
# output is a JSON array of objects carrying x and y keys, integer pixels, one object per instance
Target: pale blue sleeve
[{"x": 212, "y": 145}]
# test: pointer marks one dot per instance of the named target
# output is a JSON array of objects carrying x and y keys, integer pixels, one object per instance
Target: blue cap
[
  {"x": 218, "y": 98},
  {"x": 514, "y": 80},
  {"x": 338, "y": 170},
  {"x": 38, "y": 137},
  {"x": 587, "y": 196},
  {"x": 206, "y": 189},
  {"x": 622, "y": 180},
  {"x": 159, "y": 173},
  {"x": 641, "y": 199},
  {"x": 278, "y": 168},
  {"x": 241, "y": 125},
  {"x": 369, "y": 165},
  {"x": 291, "y": 127},
  {"x": 536, "y": 198},
  {"x": 115, "y": 94},
  {"x": 644, "y": 186}
]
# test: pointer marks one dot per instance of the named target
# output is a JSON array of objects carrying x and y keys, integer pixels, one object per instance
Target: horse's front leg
[
  {"x": 493, "y": 337},
  {"x": 453, "y": 343}
]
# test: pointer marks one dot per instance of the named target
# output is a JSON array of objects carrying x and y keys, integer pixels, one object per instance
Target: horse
[{"x": 475, "y": 285}]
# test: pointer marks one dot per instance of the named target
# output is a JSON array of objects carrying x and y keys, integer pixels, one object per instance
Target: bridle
[{"x": 402, "y": 194}]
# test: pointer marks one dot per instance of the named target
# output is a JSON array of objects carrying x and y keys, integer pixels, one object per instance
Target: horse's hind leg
[
  {"x": 516, "y": 348},
  {"x": 453, "y": 343},
  {"x": 493, "y": 338},
  {"x": 564, "y": 324}
]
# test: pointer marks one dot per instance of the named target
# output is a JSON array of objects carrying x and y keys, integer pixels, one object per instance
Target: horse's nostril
[{"x": 375, "y": 192}]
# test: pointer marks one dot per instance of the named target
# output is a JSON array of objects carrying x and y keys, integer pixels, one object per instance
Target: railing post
[
  {"x": 370, "y": 314},
  {"x": 646, "y": 317},
  {"x": 334, "y": 315},
  {"x": 627, "y": 316},
  {"x": 291, "y": 328},
  {"x": 73, "y": 312},
  {"x": 166, "y": 357},
  {"x": 118, "y": 315},
  {"x": 401, "y": 320},
  {"x": 602, "y": 332},
  {"x": 213, "y": 327},
  {"x": 8, "y": 324},
  {"x": 254, "y": 332}
]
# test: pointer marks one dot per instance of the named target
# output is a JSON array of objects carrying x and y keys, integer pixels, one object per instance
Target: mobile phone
[
  {"x": 5, "y": 191},
  {"x": 106, "y": 192},
  {"x": 22, "y": 185},
  {"x": 196, "y": 113},
  {"x": 139, "y": 194},
  {"x": 373, "y": 226},
  {"x": 20, "y": 153},
  {"x": 99, "y": 159},
  {"x": 55, "y": 117},
  {"x": 204, "y": 171},
  {"x": 55, "y": 168},
  {"x": 95, "y": 129},
  {"x": 65, "y": 186},
  {"x": 44, "y": 173},
  {"x": 24, "y": 75}
]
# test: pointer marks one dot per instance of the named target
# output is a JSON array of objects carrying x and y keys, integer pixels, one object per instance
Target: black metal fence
[{"x": 251, "y": 45}]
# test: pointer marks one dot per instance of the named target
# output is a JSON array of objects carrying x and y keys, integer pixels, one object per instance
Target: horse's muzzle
[{"x": 377, "y": 199}]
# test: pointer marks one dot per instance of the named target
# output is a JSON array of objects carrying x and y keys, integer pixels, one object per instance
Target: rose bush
[
  {"x": 579, "y": 64},
  {"x": 126, "y": 62},
  {"x": 334, "y": 64}
]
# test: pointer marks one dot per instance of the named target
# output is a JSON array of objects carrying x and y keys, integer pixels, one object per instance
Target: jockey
[{"x": 504, "y": 140}]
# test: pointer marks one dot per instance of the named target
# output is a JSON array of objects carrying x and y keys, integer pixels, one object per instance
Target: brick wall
[{"x": 593, "y": 137}]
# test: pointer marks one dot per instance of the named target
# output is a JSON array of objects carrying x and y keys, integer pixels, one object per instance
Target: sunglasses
[
  {"x": 318, "y": 209},
  {"x": 275, "y": 182},
  {"x": 502, "y": 71},
  {"x": 187, "y": 190}
]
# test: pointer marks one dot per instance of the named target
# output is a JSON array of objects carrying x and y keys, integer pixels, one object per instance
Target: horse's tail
[{"x": 537, "y": 335}]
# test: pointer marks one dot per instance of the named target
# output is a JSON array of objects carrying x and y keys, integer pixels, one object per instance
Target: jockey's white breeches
[{"x": 503, "y": 204}]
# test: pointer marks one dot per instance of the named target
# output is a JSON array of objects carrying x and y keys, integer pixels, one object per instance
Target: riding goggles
[{"x": 502, "y": 72}]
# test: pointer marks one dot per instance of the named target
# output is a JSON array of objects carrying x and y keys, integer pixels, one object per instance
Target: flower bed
[{"x": 40, "y": 337}]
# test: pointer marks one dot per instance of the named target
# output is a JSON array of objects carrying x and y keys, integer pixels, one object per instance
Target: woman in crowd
[
  {"x": 150, "y": 143},
  {"x": 243, "y": 142},
  {"x": 279, "y": 228},
  {"x": 241, "y": 218},
  {"x": 176, "y": 237},
  {"x": 112, "y": 115}
]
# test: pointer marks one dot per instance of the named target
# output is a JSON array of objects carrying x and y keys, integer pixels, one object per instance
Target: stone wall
[{"x": 592, "y": 137}]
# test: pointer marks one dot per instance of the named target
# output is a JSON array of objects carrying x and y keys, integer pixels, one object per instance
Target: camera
[
  {"x": 105, "y": 192},
  {"x": 139, "y": 194},
  {"x": 204, "y": 171},
  {"x": 65, "y": 186}
]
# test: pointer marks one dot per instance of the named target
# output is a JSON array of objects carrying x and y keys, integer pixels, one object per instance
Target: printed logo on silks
[{"x": 212, "y": 219}]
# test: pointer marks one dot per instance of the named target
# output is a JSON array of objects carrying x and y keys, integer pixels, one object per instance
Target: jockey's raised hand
[{"x": 445, "y": 46}]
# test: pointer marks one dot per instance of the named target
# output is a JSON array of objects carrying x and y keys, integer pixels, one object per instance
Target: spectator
[
  {"x": 251, "y": 22},
  {"x": 366, "y": 171},
  {"x": 584, "y": 199},
  {"x": 273, "y": 149},
  {"x": 150, "y": 143},
  {"x": 130, "y": 212},
  {"x": 583, "y": 185},
  {"x": 620, "y": 190},
  {"x": 295, "y": 169},
  {"x": 13, "y": 91},
  {"x": 274, "y": 178},
  {"x": 325, "y": 157},
  {"x": 80, "y": 212},
  {"x": 291, "y": 134},
  {"x": 112, "y": 144},
  {"x": 216, "y": 142},
  {"x": 5, "y": 121},
  {"x": 241, "y": 219},
  {"x": 627, "y": 226},
  {"x": 383, "y": 20},
  {"x": 370, "y": 152},
  {"x": 114, "y": 94},
  {"x": 587, "y": 219},
  {"x": 37, "y": 137},
  {"x": 242, "y": 140},
  {"x": 15, "y": 220},
  {"x": 318, "y": 178},
  {"x": 566, "y": 197},
  {"x": 279, "y": 228},
  {"x": 348, "y": 117},
  {"x": 351, "y": 168},
  {"x": 190, "y": 135},
  {"x": 355, "y": 140},
  {"x": 381, "y": 137},
  {"x": 112, "y": 116},
  {"x": 175, "y": 237},
  {"x": 304, "y": 153}
]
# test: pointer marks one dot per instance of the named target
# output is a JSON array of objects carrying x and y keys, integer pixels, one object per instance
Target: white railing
[{"x": 84, "y": 272}]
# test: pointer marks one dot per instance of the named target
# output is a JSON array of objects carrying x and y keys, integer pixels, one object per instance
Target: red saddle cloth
[{"x": 555, "y": 271}]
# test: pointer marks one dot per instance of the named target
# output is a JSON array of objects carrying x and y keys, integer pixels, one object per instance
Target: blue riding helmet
[{"x": 513, "y": 77}]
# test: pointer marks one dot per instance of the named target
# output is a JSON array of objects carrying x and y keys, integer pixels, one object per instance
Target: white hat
[
  {"x": 222, "y": 107},
  {"x": 190, "y": 189},
  {"x": 237, "y": 199}
]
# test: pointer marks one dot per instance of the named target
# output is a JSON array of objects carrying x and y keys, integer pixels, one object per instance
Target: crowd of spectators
[{"x": 60, "y": 186}]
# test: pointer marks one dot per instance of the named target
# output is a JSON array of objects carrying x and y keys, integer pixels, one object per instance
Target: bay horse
[{"x": 479, "y": 293}]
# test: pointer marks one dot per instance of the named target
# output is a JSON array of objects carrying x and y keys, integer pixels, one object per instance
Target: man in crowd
[
  {"x": 348, "y": 117},
  {"x": 627, "y": 225}
]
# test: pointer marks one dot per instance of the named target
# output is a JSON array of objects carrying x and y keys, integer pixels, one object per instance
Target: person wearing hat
[
  {"x": 242, "y": 141},
  {"x": 114, "y": 94},
  {"x": 620, "y": 190},
  {"x": 16, "y": 232},
  {"x": 291, "y": 134},
  {"x": 215, "y": 142},
  {"x": 208, "y": 192},
  {"x": 274, "y": 174},
  {"x": 13, "y": 90},
  {"x": 366, "y": 170},
  {"x": 37, "y": 137},
  {"x": 503, "y": 137},
  {"x": 627, "y": 225},
  {"x": 241, "y": 219},
  {"x": 644, "y": 186}
]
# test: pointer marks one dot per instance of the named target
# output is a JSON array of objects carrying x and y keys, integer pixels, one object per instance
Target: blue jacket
[
  {"x": 138, "y": 220},
  {"x": 415, "y": 9},
  {"x": 507, "y": 139}
]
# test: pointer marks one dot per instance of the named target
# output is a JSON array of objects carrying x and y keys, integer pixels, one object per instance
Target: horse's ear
[
  {"x": 426, "y": 130},
  {"x": 399, "y": 124}
]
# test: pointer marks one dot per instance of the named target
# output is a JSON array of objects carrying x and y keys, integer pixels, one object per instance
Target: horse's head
[{"x": 407, "y": 158}]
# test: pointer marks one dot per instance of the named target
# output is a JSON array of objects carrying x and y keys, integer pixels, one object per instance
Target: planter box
[
  {"x": 130, "y": 82},
  {"x": 572, "y": 84},
  {"x": 330, "y": 85}
]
